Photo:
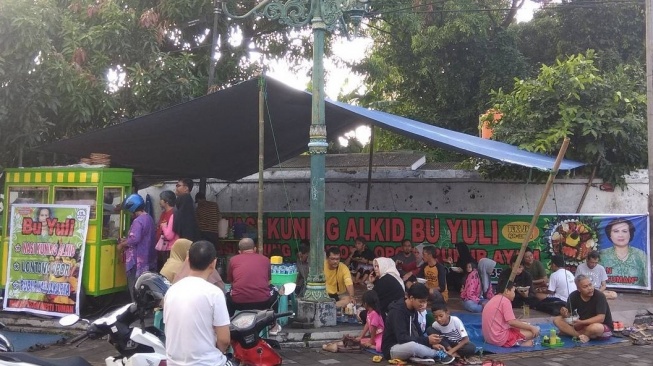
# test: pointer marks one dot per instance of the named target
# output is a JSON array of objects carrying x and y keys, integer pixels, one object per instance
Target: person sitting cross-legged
[
  {"x": 594, "y": 317},
  {"x": 499, "y": 324},
  {"x": 401, "y": 338},
  {"x": 454, "y": 335},
  {"x": 337, "y": 278}
]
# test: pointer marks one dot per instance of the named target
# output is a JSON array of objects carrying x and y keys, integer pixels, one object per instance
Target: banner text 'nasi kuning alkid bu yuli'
[
  {"x": 46, "y": 253},
  {"x": 622, "y": 240}
]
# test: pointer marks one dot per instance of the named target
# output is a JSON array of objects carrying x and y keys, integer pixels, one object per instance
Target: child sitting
[
  {"x": 500, "y": 326},
  {"x": 471, "y": 291},
  {"x": 374, "y": 323},
  {"x": 454, "y": 336}
]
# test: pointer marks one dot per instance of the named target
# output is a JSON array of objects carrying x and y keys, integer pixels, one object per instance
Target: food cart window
[
  {"x": 77, "y": 196},
  {"x": 26, "y": 195},
  {"x": 111, "y": 213}
]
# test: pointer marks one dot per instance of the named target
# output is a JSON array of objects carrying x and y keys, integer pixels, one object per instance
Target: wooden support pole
[{"x": 538, "y": 210}]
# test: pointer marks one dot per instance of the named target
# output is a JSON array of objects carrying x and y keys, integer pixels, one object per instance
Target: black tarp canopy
[{"x": 216, "y": 135}]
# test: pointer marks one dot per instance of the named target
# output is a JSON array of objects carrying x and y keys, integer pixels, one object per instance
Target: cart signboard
[{"x": 46, "y": 254}]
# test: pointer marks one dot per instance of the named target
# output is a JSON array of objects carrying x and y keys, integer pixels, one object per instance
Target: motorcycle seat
[{"x": 31, "y": 359}]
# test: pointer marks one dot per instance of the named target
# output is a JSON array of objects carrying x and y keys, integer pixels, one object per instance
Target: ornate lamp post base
[{"x": 315, "y": 309}]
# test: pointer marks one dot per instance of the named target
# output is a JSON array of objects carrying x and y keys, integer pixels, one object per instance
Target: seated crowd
[
  {"x": 394, "y": 311},
  {"x": 397, "y": 322}
]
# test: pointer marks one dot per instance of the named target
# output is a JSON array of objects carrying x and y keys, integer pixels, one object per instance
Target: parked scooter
[
  {"x": 248, "y": 347},
  {"x": 5, "y": 344},
  {"x": 136, "y": 346},
  {"x": 10, "y": 358}
]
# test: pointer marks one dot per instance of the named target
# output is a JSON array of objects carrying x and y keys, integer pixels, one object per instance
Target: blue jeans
[{"x": 472, "y": 306}]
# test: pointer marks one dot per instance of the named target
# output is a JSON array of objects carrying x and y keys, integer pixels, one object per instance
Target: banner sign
[
  {"x": 46, "y": 253},
  {"x": 622, "y": 240}
]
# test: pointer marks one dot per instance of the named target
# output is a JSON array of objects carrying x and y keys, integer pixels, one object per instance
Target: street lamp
[{"x": 323, "y": 15}]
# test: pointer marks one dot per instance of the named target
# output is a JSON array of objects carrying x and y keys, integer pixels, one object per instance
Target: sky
[{"x": 344, "y": 80}]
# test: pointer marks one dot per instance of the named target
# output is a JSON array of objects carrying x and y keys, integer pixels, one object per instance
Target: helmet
[
  {"x": 133, "y": 203},
  {"x": 150, "y": 288}
]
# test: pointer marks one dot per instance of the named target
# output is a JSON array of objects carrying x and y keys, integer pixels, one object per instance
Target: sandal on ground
[
  {"x": 492, "y": 363},
  {"x": 640, "y": 342},
  {"x": 330, "y": 347},
  {"x": 396, "y": 361},
  {"x": 473, "y": 360}
]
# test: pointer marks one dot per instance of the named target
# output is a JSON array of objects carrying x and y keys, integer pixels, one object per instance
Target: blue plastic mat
[
  {"x": 373, "y": 351},
  {"x": 23, "y": 341},
  {"x": 472, "y": 323}
]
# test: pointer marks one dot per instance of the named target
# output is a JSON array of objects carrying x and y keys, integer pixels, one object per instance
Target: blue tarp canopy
[{"x": 216, "y": 135}]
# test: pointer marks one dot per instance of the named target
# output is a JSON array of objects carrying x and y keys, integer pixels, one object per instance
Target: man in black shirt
[
  {"x": 594, "y": 317},
  {"x": 523, "y": 285},
  {"x": 361, "y": 259}
]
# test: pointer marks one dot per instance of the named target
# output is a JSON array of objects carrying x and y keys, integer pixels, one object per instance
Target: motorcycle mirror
[
  {"x": 69, "y": 320},
  {"x": 288, "y": 288}
]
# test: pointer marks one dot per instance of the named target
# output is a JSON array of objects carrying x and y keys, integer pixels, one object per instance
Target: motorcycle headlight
[{"x": 243, "y": 320}]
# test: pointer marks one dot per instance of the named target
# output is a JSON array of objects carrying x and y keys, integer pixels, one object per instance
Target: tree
[
  {"x": 602, "y": 112},
  {"x": 436, "y": 62},
  {"x": 613, "y": 29},
  {"x": 56, "y": 57}
]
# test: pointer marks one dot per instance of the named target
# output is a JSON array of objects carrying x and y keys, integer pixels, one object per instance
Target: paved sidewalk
[{"x": 610, "y": 355}]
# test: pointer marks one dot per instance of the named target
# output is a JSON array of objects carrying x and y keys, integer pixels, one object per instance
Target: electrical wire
[
  {"x": 283, "y": 179},
  {"x": 584, "y": 5}
]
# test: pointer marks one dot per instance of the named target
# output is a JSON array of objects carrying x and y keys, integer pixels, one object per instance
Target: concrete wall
[{"x": 446, "y": 191}]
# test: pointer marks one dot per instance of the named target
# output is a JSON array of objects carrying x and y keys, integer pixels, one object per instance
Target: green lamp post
[{"x": 323, "y": 16}]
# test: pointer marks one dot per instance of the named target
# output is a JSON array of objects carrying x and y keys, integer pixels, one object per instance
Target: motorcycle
[
  {"x": 137, "y": 346},
  {"x": 247, "y": 345},
  {"x": 5, "y": 344},
  {"x": 8, "y": 357}
]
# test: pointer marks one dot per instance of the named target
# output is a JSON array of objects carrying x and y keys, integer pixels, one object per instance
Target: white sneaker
[{"x": 275, "y": 330}]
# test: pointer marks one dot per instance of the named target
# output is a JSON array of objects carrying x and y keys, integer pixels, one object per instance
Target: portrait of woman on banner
[{"x": 623, "y": 251}]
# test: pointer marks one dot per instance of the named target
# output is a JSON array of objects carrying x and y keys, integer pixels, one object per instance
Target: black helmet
[{"x": 151, "y": 288}]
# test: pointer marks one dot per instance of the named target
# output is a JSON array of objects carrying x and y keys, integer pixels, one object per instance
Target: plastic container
[{"x": 282, "y": 279}]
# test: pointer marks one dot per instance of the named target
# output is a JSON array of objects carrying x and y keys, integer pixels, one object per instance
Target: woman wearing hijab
[
  {"x": 177, "y": 267},
  {"x": 485, "y": 268},
  {"x": 388, "y": 285},
  {"x": 178, "y": 254}
]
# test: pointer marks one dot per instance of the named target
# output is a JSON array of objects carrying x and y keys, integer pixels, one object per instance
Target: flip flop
[
  {"x": 396, "y": 361},
  {"x": 640, "y": 342},
  {"x": 377, "y": 359}
]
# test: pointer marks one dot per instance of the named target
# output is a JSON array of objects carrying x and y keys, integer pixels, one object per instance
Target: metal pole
[
  {"x": 538, "y": 210},
  {"x": 369, "y": 169},
  {"x": 261, "y": 155},
  {"x": 649, "y": 109},
  {"x": 317, "y": 148},
  {"x": 217, "y": 7}
]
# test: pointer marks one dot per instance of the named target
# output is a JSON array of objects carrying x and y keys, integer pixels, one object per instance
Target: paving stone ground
[{"x": 609, "y": 355}]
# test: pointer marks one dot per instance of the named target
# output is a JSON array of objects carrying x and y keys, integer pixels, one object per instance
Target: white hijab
[{"x": 388, "y": 267}]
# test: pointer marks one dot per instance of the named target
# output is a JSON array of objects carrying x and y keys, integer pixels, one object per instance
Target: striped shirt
[
  {"x": 208, "y": 216},
  {"x": 454, "y": 332}
]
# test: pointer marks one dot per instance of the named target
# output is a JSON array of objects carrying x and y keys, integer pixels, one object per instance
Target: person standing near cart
[{"x": 139, "y": 252}]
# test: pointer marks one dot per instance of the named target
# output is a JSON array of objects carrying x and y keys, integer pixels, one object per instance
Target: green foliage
[
  {"x": 437, "y": 62},
  {"x": 613, "y": 29},
  {"x": 603, "y": 113},
  {"x": 55, "y": 58}
]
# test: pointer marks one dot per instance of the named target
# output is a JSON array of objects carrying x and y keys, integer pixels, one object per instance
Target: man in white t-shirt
[
  {"x": 593, "y": 270},
  {"x": 195, "y": 314},
  {"x": 561, "y": 281}
]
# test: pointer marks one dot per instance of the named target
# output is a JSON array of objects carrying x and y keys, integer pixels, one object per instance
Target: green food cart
[{"x": 103, "y": 190}]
